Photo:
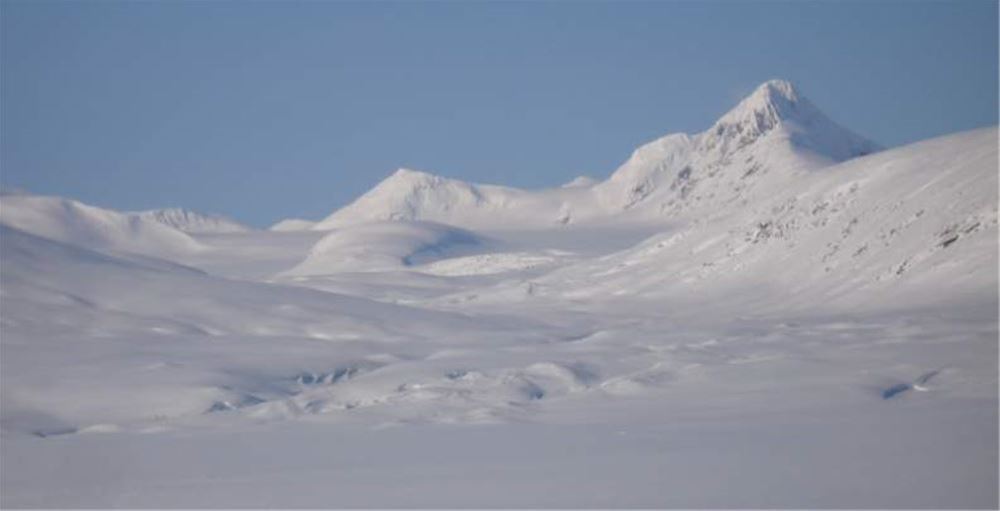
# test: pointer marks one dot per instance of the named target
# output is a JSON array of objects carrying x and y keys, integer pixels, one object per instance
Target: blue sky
[{"x": 266, "y": 110}]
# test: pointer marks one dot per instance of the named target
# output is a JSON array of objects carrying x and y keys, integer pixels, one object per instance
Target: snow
[
  {"x": 754, "y": 316},
  {"x": 293, "y": 224},
  {"x": 89, "y": 226},
  {"x": 384, "y": 245},
  {"x": 193, "y": 222},
  {"x": 769, "y": 137},
  {"x": 580, "y": 182},
  {"x": 414, "y": 195}
]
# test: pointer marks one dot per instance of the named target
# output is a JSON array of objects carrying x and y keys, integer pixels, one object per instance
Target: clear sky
[{"x": 266, "y": 110}]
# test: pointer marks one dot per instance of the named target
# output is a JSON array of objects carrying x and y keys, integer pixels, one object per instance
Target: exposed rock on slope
[
  {"x": 193, "y": 222},
  {"x": 916, "y": 219}
]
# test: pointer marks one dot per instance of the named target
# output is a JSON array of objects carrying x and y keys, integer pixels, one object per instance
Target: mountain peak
[
  {"x": 770, "y": 103},
  {"x": 776, "y": 88},
  {"x": 777, "y": 104},
  {"x": 405, "y": 178},
  {"x": 406, "y": 173}
]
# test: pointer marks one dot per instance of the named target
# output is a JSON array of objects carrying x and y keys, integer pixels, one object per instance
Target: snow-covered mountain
[
  {"x": 770, "y": 139},
  {"x": 771, "y": 136},
  {"x": 919, "y": 220},
  {"x": 92, "y": 227},
  {"x": 192, "y": 221}
]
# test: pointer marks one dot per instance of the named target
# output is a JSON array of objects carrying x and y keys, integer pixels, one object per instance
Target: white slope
[
  {"x": 192, "y": 221},
  {"x": 903, "y": 225},
  {"x": 95, "y": 228},
  {"x": 773, "y": 134},
  {"x": 292, "y": 224},
  {"x": 385, "y": 246}
]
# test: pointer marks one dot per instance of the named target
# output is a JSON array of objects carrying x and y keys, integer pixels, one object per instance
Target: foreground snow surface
[{"x": 829, "y": 342}]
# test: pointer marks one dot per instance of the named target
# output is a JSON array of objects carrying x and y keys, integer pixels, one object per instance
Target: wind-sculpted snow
[{"x": 732, "y": 319}]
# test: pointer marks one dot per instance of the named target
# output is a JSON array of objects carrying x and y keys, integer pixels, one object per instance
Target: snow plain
[{"x": 731, "y": 319}]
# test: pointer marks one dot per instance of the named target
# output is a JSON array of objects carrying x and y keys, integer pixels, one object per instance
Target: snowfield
[{"x": 771, "y": 313}]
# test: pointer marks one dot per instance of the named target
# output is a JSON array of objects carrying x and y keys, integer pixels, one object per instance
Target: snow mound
[
  {"x": 191, "y": 221},
  {"x": 385, "y": 245},
  {"x": 95, "y": 228},
  {"x": 292, "y": 224}
]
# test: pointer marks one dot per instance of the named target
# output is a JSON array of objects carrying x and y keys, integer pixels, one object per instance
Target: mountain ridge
[{"x": 774, "y": 127}]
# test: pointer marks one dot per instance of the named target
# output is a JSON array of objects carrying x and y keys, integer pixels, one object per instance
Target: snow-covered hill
[
  {"x": 192, "y": 221},
  {"x": 292, "y": 224},
  {"x": 773, "y": 135},
  {"x": 385, "y": 246},
  {"x": 414, "y": 195},
  {"x": 91, "y": 227}
]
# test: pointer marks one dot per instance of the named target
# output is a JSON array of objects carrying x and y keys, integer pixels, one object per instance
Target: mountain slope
[
  {"x": 771, "y": 136},
  {"x": 192, "y": 221},
  {"x": 91, "y": 227},
  {"x": 384, "y": 246},
  {"x": 769, "y": 139},
  {"x": 914, "y": 222}
]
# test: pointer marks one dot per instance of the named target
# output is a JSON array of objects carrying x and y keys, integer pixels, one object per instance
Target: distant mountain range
[
  {"x": 770, "y": 138},
  {"x": 774, "y": 188}
]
